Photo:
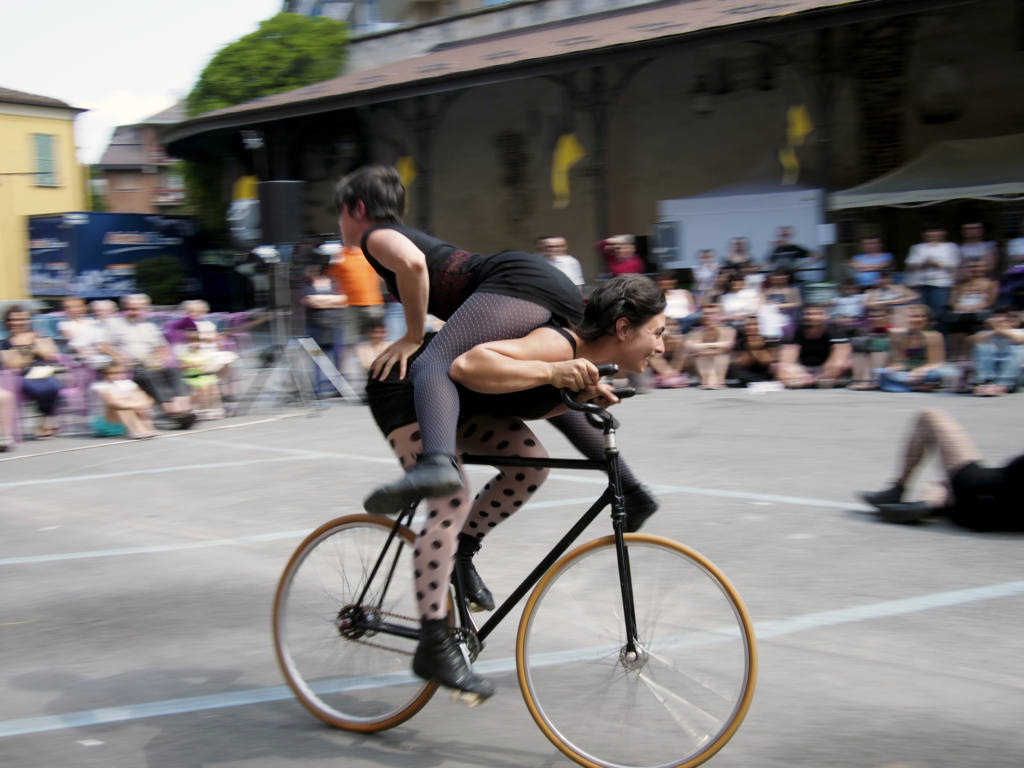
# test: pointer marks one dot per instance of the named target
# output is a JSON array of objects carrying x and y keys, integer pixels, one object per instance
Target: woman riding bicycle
[{"x": 500, "y": 384}]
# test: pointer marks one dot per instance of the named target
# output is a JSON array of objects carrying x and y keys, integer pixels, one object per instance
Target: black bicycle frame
[{"x": 612, "y": 496}]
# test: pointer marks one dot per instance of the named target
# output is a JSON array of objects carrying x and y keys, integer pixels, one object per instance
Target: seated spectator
[
  {"x": 849, "y": 308},
  {"x": 35, "y": 358},
  {"x": 870, "y": 348},
  {"x": 195, "y": 336},
  {"x": 917, "y": 356},
  {"x": 8, "y": 414},
  {"x": 974, "y": 496},
  {"x": 753, "y": 355},
  {"x": 818, "y": 355},
  {"x": 710, "y": 347},
  {"x": 998, "y": 353},
  {"x": 681, "y": 311},
  {"x": 681, "y": 314},
  {"x": 740, "y": 301},
  {"x": 137, "y": 343},
  {"x": 75, "y": 329},
  {"x": 369, "y": 350},
  {"x": 970, "y": 304},
  {"x": 892, "y": 296},
  {"x": 705, "y": 274},
  {"x": 198, "y": 373},
  {"x": 119, "y": 405},
  {"x": 780, "y": 305},
  {"x": 866, "y": 267}
]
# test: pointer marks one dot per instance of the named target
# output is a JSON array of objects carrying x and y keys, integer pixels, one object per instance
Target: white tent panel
[{"x": 710, "y": 221}]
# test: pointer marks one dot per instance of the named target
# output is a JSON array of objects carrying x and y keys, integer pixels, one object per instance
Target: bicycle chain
[{"x": 461, "y": 635}]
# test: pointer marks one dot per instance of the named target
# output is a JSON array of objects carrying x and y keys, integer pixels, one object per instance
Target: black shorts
[{"x": 988, "y": 498}]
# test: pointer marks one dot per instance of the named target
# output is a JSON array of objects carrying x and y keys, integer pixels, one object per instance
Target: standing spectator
[
  {"x": 931, "y": 269},
  {"x": 138, "y": 344},
  {"x": 364, "y": 309},
  {"x": 866, "y": 267},
  {"x": 34, "y": 357},
  {"x": 738, "y": 256},
  {"x": 974, "y": 247},
  {"x": 119, "y": 405},
  {"x": 705, "y": 274},
  {"x": 971, "y": 302},
  {"x": 818, "y": 355},
  {"x": 323, "y": 302},
  {"x": 804, "y": 265},
  {"x": 1011, "y": 282},
  {"x": 998, "y": 353},
  {"x": 625, "y": 260},
  {"x": 917, "y": 356},
  {"x": 710, "y": 346},
  {"x": 555, "y": 250}
]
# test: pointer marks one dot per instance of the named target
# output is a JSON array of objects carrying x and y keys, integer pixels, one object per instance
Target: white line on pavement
[{"x": 764, "y": 630}]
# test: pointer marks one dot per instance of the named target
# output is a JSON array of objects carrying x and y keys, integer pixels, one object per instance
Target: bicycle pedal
[{"x": 468, "y": 698}]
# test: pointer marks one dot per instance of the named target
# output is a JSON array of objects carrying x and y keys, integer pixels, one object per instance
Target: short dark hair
[
  {"x": 634, "y": 297},
  {"x": 12, "y": 310},
  {"x": 380, "y": 189}
]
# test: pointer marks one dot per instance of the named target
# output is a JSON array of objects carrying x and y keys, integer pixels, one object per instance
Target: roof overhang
[
  {"x": 627, "y": 34},
  {"x": 978, "y": 169}
]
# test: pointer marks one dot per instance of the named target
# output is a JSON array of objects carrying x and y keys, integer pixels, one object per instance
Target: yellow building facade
[{"x": 39, "y": 174}]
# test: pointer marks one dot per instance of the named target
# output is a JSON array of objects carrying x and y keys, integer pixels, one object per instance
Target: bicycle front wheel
[
  {"x": 678, "y": 698},
  {"x": 335, "y": 626}
]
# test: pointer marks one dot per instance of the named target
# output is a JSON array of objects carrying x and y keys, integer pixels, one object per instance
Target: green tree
[{"x": 287, "y": 51}]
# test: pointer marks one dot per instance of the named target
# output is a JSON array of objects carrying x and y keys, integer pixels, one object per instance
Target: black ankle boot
[
  {"x": 478, "y": 596},
  {"x": 640, "y": 505},
  {"x": 891, "y": 495},
  {"x": 436, "y": 474},
  {"x": 439, "y": 658}
]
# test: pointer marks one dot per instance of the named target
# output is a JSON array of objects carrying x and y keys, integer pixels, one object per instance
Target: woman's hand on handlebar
[
  {"x": 575, "y": 374},
  {"x": 602, "y": 394}
]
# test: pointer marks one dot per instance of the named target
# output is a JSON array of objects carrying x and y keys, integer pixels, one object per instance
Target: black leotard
[
  {"x": 989, "y": 498},
  {"x": 455, "y": 274},
  {"x": 391, "y": 400}
]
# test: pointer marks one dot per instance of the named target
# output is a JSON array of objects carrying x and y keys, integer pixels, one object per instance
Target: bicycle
[{"x": 632, "y": 649}]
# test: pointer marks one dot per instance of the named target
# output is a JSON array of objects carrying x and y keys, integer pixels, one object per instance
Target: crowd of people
[
  {"x": 127, "y": 372},
  {"x": 952, "y": 320}
]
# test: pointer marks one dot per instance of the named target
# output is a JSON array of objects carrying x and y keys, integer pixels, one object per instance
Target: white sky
[{"x": 121, "y": 59}]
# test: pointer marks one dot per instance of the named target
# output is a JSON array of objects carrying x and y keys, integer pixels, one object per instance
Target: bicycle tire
[
  {"x": 676, "y": 705},
  {"x": 360, "y": 683}
]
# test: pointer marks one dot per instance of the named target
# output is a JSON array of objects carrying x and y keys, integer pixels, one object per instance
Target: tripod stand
[{"x": 288, "y": 357}]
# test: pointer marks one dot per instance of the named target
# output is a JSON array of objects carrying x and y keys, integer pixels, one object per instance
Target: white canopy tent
[{"x": 979, "y": 169}]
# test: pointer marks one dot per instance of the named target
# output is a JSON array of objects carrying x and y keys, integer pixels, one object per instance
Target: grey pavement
[{"x": 138, "y": 579}]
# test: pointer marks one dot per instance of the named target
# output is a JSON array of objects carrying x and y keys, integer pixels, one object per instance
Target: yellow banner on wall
[{"x": 568, "y": 152}]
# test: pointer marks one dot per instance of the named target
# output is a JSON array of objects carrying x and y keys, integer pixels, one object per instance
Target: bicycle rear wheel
[
  {"x": 329, "y": 643},
  {"x": 685, "y": 693}
]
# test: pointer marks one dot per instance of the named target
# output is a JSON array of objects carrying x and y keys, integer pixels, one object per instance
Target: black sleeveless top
[
  {"x": 456, "y": 274},
  {"x": 392, "y": 405}
]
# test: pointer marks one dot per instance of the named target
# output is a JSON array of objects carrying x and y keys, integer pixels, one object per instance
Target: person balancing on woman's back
[{"x": 481, "y": 298}]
